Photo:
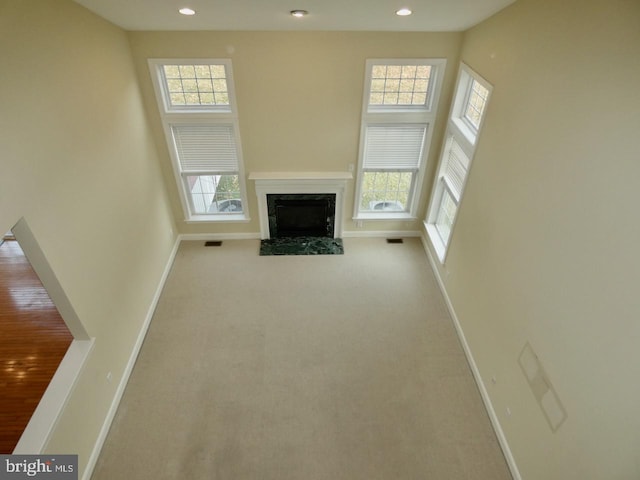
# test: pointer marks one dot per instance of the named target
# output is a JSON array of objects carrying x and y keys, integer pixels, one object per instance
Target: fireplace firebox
[{"x": 301, "y": 215}]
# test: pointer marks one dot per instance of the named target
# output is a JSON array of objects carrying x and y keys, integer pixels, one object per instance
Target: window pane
[
  {"x": 189, "y": 85},
  {"x": 423, "y": 71},
  {"x": 390, "y": 98},
  {"x": 171, "y": 71},
  {"x": 385, "y": 191},
  {"x": 377, "y": 85},
  {"x": 409, "y": 71},
  {"x": 207, "y": 98},
  {"x": 218, "y": 71},
  {"x": 392, "y": 85},
  {"x": 446, "y": 215},
  {"x": 187, "y": 71},
  {"x": 177, "y": 99},
  {"x": 203, "y": 71},
  {"x": 215, "y": 193},
  {"x": 407, "y": 85},
  {"x": 204, "y": 85},
  {"x": 399, "y": 84},
  {"x": 474, "y": 108},
  {"x": 193, "y": 85}
]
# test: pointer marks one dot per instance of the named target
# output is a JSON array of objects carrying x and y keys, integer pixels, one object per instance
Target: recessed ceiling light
[
  {"x": 403, "y": 12},
  {"x": 187, "y": 11},
  {"x": 299, "y": 13}
]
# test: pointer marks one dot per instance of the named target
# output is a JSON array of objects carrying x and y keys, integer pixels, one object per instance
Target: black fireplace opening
[{"x": 301, "y": 215}]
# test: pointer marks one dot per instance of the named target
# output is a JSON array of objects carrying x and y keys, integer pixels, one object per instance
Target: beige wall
[
  {"x": 546, "y": 246},
  {"x": 544, "y": 250},
  {"x": 299, "y": 99},
  {"x": 79, "y": 163}
]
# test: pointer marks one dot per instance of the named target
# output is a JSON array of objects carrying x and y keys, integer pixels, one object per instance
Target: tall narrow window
[
  {"x": 465, "y": 121},
  {"x": 400, "y": 99},
  {"x": 197, "y": 106}
]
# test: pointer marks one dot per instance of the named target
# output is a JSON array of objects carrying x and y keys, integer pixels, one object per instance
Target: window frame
[
  {"x": 462, "y": 132},
  {"x": 446, "y": 191},
  {"x": 392, "y": 115},
  {"x": 225, "y": 115},
  {"x": 466, "y": 103}
]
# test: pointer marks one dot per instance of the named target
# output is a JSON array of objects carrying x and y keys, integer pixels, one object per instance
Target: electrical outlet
[
  {"x": 352, "y": 167},
  {"x": 109, "y": 377},
  {"x": 359, "y": 224}
]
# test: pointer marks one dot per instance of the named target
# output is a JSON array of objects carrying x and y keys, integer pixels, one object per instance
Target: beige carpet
[{"x": 303, "y": 368}]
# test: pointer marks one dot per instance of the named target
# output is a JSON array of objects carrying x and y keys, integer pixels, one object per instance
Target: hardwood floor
[{"x": 33, "y": 341}]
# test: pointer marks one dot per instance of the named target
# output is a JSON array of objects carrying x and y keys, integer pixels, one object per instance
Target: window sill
[
  {"x": 439, "y": 247},
  {"x": 218, "y": 219},
  {"x": 405, "y": 216},
  {"x": 464, "y": 129}
]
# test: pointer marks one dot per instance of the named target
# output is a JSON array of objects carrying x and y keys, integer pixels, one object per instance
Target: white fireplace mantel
[{"x": 299, "y": 182}]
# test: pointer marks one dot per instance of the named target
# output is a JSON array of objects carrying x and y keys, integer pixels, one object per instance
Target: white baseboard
[
  {"x": 495, "y": 422},
  {"x": 380, "y": 234},
  {"x": 129, "y": 368},
  {"x": 219, "y": 236},
  {"x": 256, "y": 235}
]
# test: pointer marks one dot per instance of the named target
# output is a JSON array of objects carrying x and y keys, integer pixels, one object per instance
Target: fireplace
[
  {"x": 298, "y": 215},
  {"x": 294, "y": 204}
]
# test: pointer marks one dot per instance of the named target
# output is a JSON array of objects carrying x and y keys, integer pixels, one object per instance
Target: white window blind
[
  {"x": 206, "y": 148},
  {"x": 394, "y": 146},
  {"x": 455, "y": 167}
]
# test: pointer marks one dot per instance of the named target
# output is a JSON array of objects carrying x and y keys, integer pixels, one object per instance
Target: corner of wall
[{"x": 493, "y": 417}]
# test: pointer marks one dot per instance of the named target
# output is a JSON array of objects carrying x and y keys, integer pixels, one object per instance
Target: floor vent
[
  {"x": 213, "y": 243},
  {"x": 395, "y": 240}
]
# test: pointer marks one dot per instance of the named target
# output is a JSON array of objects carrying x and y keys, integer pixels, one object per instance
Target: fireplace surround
[{"x": 317, "y": 192}]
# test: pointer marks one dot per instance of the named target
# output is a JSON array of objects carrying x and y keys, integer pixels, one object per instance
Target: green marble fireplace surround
[
  {"x": 300, "y": 212},
  {"x": 302, "y": 186}
]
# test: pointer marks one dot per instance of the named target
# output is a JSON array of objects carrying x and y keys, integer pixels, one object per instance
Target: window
[
  {"x": 399, "y": 85},
  {"x": 465, "y": 120},
  {"x": 474, "y": 106},
  {"x": 400, "y": 100},
  {"x": 198, "y": 110},
  {"x": 196, "y": 85}
]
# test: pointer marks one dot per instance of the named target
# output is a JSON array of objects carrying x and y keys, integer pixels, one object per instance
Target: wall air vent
[{"x": 213, "y": 243}]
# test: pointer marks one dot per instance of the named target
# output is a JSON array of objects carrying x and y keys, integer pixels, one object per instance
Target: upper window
[
  {"x": 399, "y": 85},
  {"x": 200, "y": 121},
  {"x": 400, "y": 98},
  {"x": 474, "y": 106},
  {"x": 196, "y": 85},
  {"x": 465, "y": 120}
]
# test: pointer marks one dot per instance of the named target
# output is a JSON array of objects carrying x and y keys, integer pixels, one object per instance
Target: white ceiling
[{"x": 357, "y": 15}]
